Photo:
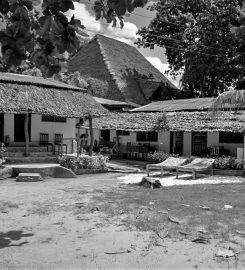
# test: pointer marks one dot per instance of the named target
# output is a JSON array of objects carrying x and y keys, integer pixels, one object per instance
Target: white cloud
[
  {"x": 162, "y": 67},
  {"x": 85, "y": 14}
]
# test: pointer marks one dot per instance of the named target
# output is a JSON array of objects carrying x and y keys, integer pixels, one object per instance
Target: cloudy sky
[{"x": 140, "y": 17}]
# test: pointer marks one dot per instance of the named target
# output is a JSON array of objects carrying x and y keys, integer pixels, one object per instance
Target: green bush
[
  {"x": 83, "y": 162},
  {"x": 156, "y": 157},
  {"x": 92, "y": 162},
  {"x": 3, "y": 154},
  {"x": 228, "y": 163}
]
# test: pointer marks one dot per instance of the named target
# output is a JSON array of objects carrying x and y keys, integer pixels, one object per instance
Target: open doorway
[{"x": 19, "y": 127}]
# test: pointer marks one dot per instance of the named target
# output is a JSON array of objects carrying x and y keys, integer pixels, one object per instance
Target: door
[
  {"x": 176, "y": 143},
  {"x": 199, "y": 144},
  {"x": 1, "y": 127},
  {"x": 105, "y": 134},
  {"x": 19, "y": 127}
]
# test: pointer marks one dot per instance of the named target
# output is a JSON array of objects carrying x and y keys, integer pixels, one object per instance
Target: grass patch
[
  {"x": 5, "y": 206},
  {"x": 199, "y": 207}
]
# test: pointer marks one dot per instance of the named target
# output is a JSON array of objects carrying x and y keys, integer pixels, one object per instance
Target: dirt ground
[{"x": 95, "y": 222}]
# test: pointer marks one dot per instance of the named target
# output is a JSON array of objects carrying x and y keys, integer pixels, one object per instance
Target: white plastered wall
[
  {"x": 37, "y": 126},
  {"x": 213, "y": 140},
  {"x": 163, "y": 143},
  {"x": 187, "y": 143}
]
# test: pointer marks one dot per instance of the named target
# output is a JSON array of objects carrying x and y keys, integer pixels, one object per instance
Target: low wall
[
  {"x": 90, "y": 171},
  {"x": 229, "y": 172}
]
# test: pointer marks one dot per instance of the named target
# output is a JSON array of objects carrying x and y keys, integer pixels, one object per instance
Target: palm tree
[{"x": 234, "y": 100}]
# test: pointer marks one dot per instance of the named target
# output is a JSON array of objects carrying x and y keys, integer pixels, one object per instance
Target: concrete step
[
  {"x": 21, "y": 160},
  {"x": 22, "y": 148},
  {"x": 45, "y": 170},
  {"x": 29, "y": 177}
]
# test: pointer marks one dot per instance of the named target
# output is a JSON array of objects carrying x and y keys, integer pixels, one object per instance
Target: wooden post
[
  {"x": 62, "y": 146},
  {"x": 91, "y": 135},
  {"x": 78, "y": 142},
  {"x": 244, "y": 151},
  {"x": 27, "y": 138}
]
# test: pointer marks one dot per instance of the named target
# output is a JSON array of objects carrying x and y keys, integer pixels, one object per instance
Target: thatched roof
[
  {"x": 21, "y": 93},
  {"x": 129, "y": 75},
  {"x": 110, "y": 102},
  {"x": 174, "y": 121},
  {"x": 193, "y": 104}
]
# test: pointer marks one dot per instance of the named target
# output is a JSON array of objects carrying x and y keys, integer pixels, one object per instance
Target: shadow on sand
[{"x": 7, "y": 238}]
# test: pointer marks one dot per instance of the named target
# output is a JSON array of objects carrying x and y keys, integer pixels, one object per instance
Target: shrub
[
  {"x": 68, "y": 162},
  {"x": 83, "y": 162},
  {"x": 3, "y": 154},
  {"x": 157, "y": 157},
  {"x": 228, "y": 163},
  {"x": 92, "y": 162}
]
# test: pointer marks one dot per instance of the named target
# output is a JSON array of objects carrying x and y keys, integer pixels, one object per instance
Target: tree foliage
[
  {"x": 40, "y": 31},
  {"x": 112, "y": 10},
  {"x": 204, "y": 40}
]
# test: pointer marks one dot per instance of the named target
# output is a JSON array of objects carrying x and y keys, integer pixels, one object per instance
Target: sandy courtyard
[{"x": 90, "y": 223}]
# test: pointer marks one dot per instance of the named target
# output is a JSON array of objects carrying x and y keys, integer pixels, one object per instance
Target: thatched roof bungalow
[
  {"x": 184, "y": 132},
  {"x": 38, "y": 106},
  {"x": 126, "y": 74},
  {"x": 21, "y": 94},
  {"x": 228, "y": 121}
]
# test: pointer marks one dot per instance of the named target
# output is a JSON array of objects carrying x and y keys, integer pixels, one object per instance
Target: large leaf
[
  {"x": 4, "y": 6},
  {"x": 65, "y": 5},
  {"x": 58, "y": 5},
  {"x": 45, "y": 26}
]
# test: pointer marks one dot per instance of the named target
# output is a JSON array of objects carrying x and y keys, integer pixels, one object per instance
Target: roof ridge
[
  {"x": 109, "y": 67},
  {"x": 106, "y": 37},
  {"x": 22, "y": 79}
]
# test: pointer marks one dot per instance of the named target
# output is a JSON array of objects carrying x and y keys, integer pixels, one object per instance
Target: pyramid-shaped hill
[{"x": 125, "y": 73}]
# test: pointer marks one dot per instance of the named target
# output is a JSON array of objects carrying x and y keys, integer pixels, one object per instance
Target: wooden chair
[
  {"x": 214, "y": 151},
  {"x": 143, "y": 150},
  {"x": 58, "y": 141},
  {"x": 129, "y": 149},
  {"x": 135, "y": 151},
  {"x": 44, "y": 141}
]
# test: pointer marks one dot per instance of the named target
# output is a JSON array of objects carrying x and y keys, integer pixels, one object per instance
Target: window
[
  {"x": 123, "y": 133},
  {"x": 230, "y": 137},
  {"x": 49, "y": 118},
  {"x": 151, "y": 136}
]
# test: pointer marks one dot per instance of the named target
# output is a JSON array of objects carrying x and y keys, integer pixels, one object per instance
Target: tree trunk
[
  {"x": 91, "y": 136},
  {"x": 26, "y": 135}
]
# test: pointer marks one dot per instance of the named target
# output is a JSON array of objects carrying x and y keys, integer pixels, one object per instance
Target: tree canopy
[
  {"x": 40, "y": 34},
  {"x": 204, "y": 40}
]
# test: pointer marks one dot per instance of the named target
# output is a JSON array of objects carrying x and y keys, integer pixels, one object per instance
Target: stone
[
  {"x": 29, "y": 177},
  {"x": 150, "y": 183},
  {"x": 5, "y": 173}
]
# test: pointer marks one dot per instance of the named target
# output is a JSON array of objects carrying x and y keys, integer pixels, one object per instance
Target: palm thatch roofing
[
  {"x": 233, "y": 99},
  {"x": 228, "y": 121},
  {"x": 21, "y": 94},
  {"x": 129, "y": 76},
  {"x": 193, "y": 104}
]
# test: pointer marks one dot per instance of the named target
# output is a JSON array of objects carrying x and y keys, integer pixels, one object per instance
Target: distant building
[
  {"x": 184, "y": 127},
  {"x": 46, "y": 111},
  {"x": 128, "y": 76}
]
